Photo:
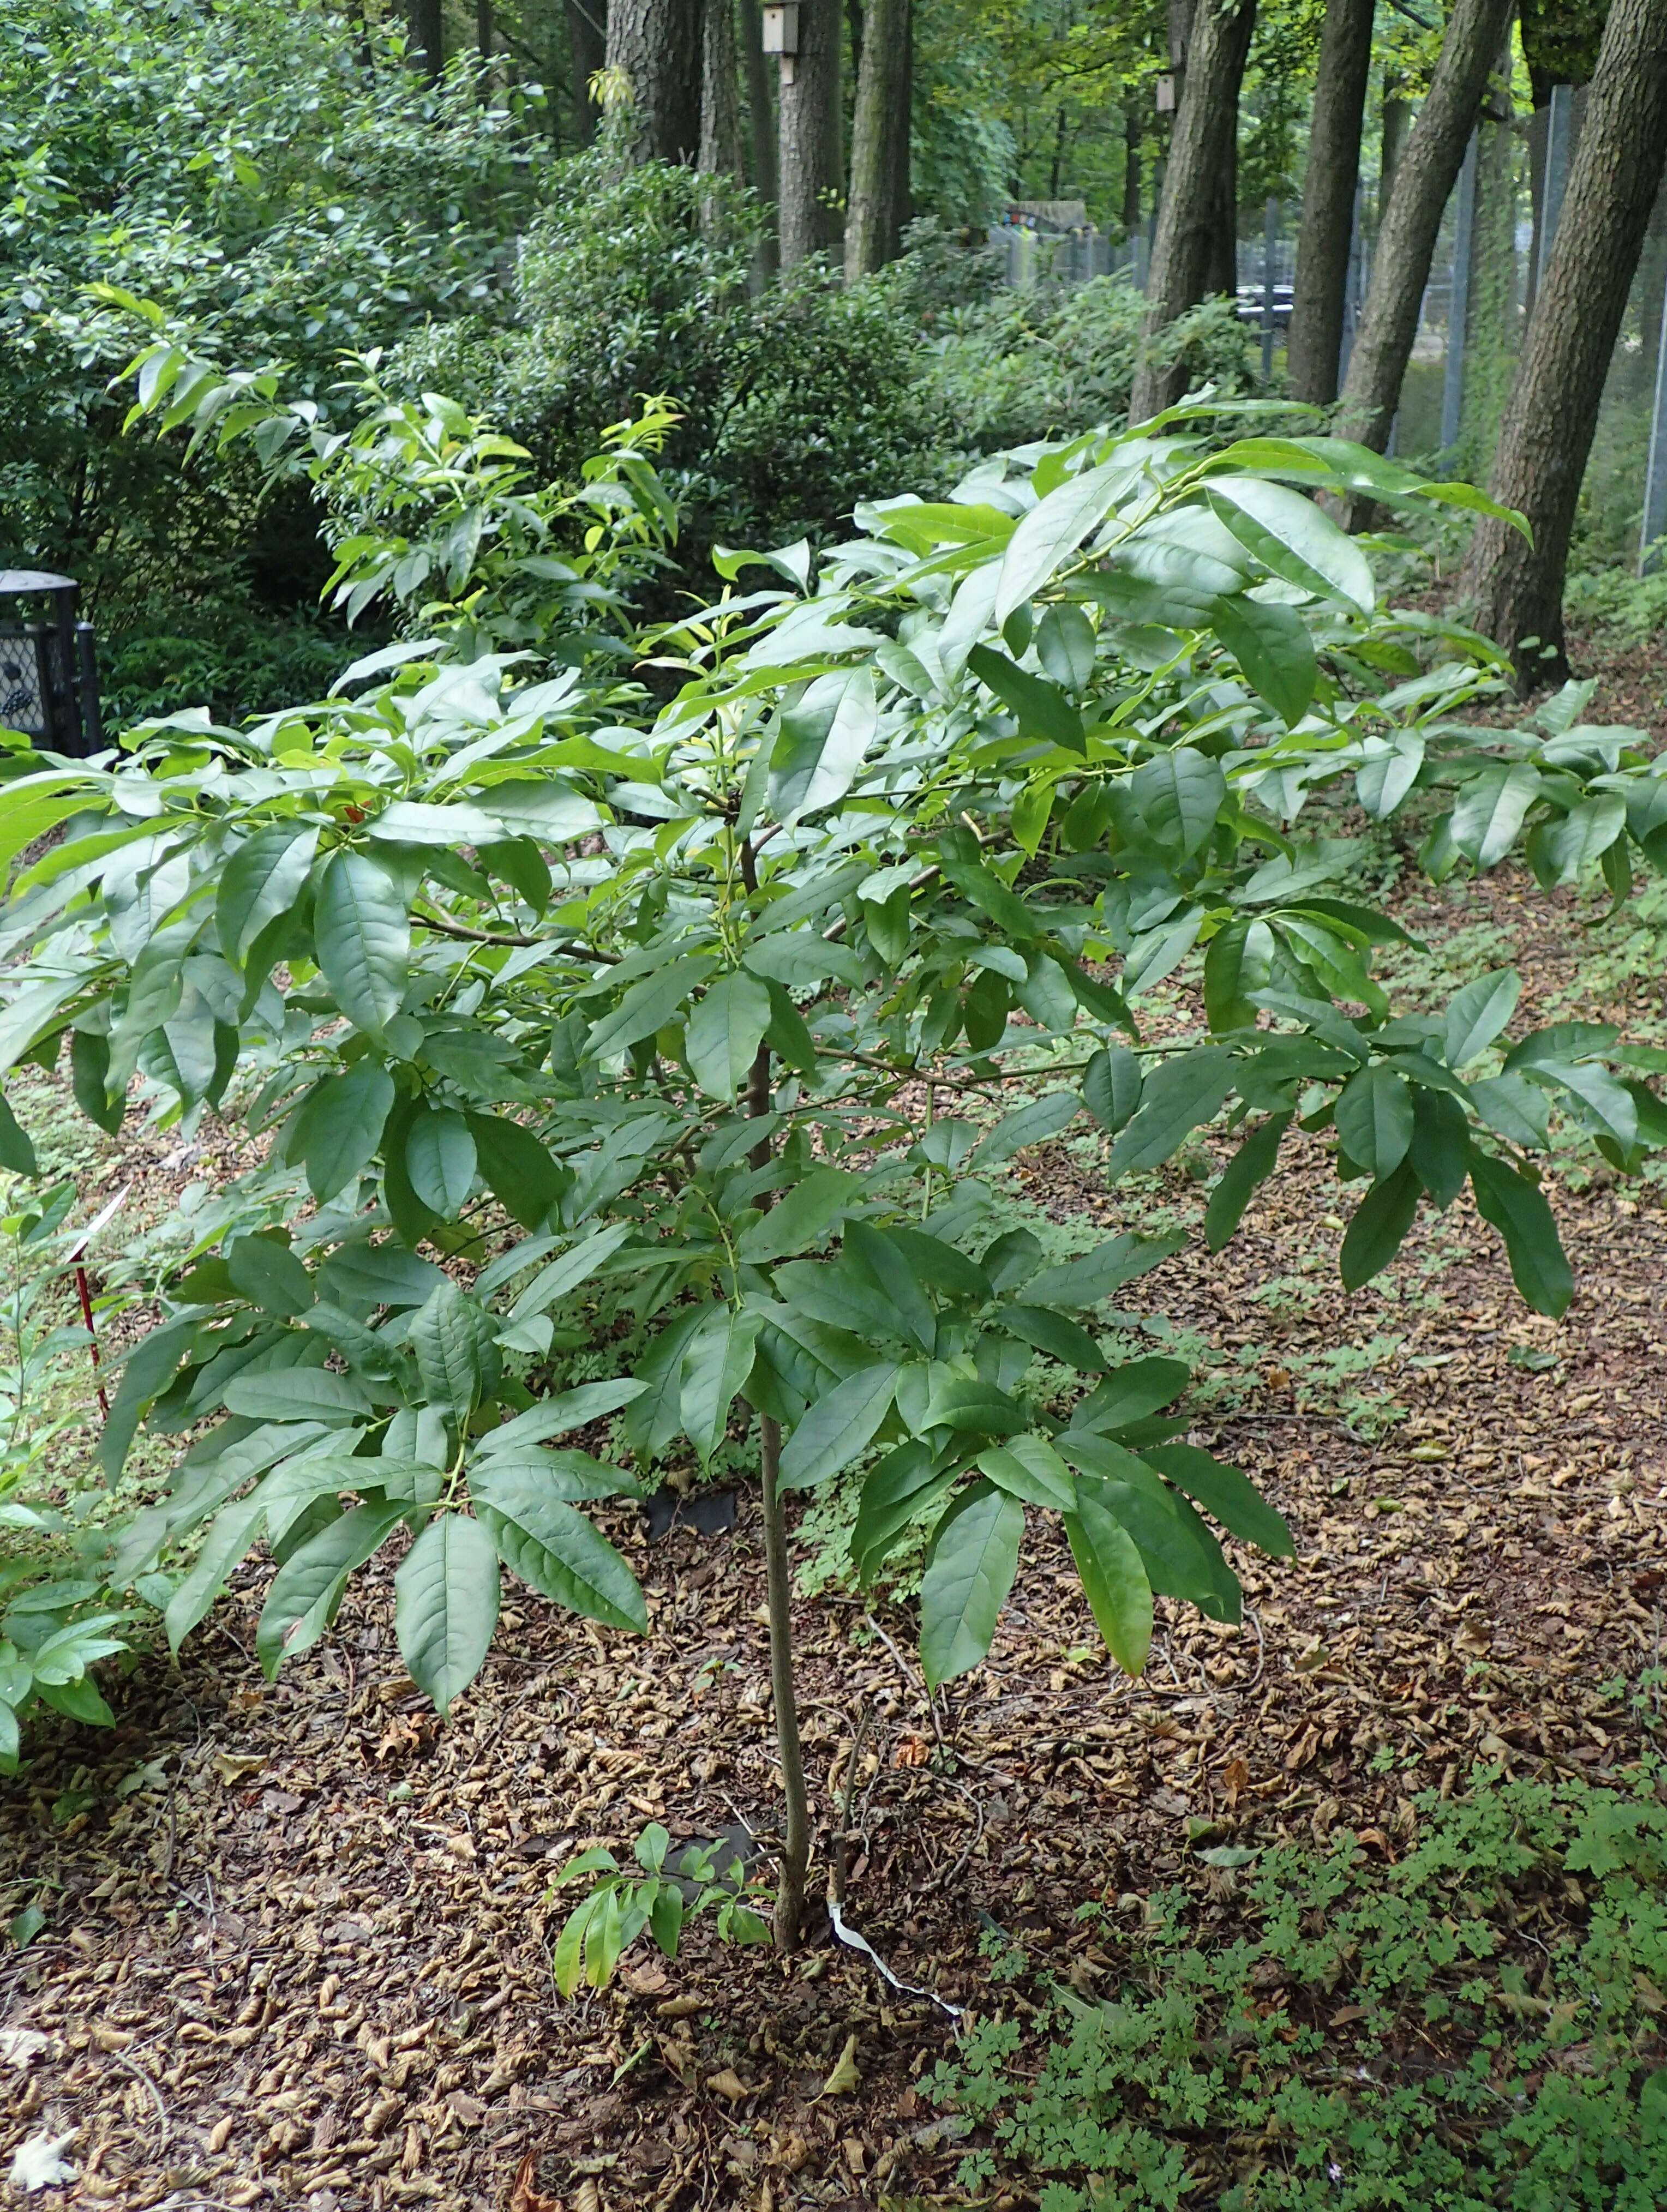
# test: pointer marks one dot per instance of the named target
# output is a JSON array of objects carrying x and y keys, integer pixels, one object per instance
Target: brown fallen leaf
[
  {"x": 844, "y": 2077},
  {"x": 526, "y": 2195},
  {"x": 728, "y": 2083},
  {"x": 676, "y": 2008}
]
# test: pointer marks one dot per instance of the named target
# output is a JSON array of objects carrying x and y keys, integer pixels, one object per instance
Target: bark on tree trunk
[
  {"x": 899, "y": 138},
  {"x": 1328, "y": 201},
  {"x": 484, "y": 28},
  {"x": 428, "y": 37},
  {"x": 1221, "y": 273},
  {"x": 1424, "y": 177},
  {"x": 1204, "y": 144},
  {"x": 655, "y": 44},
  {"x": 587, "y": 44},
  {"x": 810, "y": 176},
  {"x": 1546, "y": 437},
  {"x": 871, "y": 226},
  {"x": 1131, "y": 173},
  {"x": 762, "y": 126},
  {"x": 1397, "y": 120},
  {"x": 720, "y": 97}
]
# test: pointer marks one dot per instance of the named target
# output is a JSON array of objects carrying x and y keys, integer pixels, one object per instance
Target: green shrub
[
  {"x": 1051, "y": 364},
  {"x": 1473, "y": 2027},
  {"x": 796, "y": 402}
]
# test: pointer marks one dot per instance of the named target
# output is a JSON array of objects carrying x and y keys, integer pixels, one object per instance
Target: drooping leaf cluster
[{"x": 731, "y": 1003}]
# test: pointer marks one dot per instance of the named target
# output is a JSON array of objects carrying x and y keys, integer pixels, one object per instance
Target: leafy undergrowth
[{"x": 1475, "y": 2026}]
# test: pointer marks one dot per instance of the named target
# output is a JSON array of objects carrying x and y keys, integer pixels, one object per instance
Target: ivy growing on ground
[
  {"x": 1334, "y": 2031},
  {"x": 724, "y": 960}
]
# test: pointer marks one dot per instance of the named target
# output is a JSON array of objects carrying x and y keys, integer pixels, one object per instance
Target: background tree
[
  {"x": 721, "y": 103},
  {"x": 587, "y": 49},
  {"x": 1424, "y": 177},
  {"x": 879, "y": 140},
  {"x": 1184, "y": 251},
  {"x": 1547, "y": 435},
  {"x": 811, "y": 178},
  {"x": 655, "y": 44},
  {"x": 1328, "y": 201},
  {"x": 762, "y": 127},
  {"x": 428, "y": 36}
]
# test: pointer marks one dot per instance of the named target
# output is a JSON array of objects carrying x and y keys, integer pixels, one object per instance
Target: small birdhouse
[
  {"x": 781, "y": 28},
  {"x": 1166, "y": 94},
  {"x": 49, "y": 684}
]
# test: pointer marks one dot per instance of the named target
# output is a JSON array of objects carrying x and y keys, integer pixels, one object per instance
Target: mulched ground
[{"x": 297, "y": 1945}]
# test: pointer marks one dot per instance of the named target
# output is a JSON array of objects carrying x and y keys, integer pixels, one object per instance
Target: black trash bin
[{"x": 48, "y": 682}]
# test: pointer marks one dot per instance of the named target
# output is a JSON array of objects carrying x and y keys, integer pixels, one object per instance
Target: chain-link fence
[{"x": 1495, "y": 238}]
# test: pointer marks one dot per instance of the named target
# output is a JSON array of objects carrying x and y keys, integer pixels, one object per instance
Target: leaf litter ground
[{"x": 296, "y": 1949}]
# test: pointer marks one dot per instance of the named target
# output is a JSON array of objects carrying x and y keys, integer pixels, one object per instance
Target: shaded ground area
[{"x": 296, "y": 1944}]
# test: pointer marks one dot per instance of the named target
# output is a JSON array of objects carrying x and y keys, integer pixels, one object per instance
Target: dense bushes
[
  {"x": 1025, "y": 365},
  {"x": 156, "y": 148},
  {"x": 796, "y": 401}
]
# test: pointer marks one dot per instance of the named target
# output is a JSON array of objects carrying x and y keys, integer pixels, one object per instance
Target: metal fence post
[
  {"x": 1452, "y": 387},
  {"x": 1352, "y": 289},
  {"x": 1654, "y": 523},
  {"x": 1269, "y": 244},
  {"x": 1559, "y": 116}
]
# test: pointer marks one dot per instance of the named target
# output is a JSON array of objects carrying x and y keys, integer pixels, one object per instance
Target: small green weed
[{"x": 1474, "y": 2027}]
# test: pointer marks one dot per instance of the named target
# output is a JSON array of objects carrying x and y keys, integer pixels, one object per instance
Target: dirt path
[{"x": 296, "y": 1941}]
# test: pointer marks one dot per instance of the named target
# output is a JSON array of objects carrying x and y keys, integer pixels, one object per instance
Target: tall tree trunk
[
  {"x": 1397, "y": 121},
  {"x": 1424, "y": 177},
  {"x": 760, "y": 123},
  {"x": 899, "y": 138},
  {"x": 655, "y": 44},
  {"x": 1328, "y": 201},
  {"x": 721, "y": 96},
  {"x": 1204, "y": 144},
  {"x": 1546, "y": 435},
  {"x": 587, "y": 45},
  {"x": 1222, "y": 271},
  {"x": 810, "y": 176},
  {"x": 428, "y": 37},
  {"x": 484, "y": 28},
  {"x": 871, "y": 225}
]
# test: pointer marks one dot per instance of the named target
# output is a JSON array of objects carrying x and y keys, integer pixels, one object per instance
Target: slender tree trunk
[
  {"x": 428, "y": 37},
  {"x": 1397, "y": 121},
  {"x": 1204, "y": 144},
  {"x": 762, "y": 127},
  {"x": 796, "y": 1824},
  {"x": 655, "y": 44},
  {"x": 587, "y": 45},
  {"x": 871, "y": 226},
  {"x": 1328, "y": 201},
  {"x": 899, "y": 139},
  {"x": 484, "y": 28},
  {"x": 1131, "y": 173},
  {"x": 811, "y": 172},
  {"x": 720, "y": 97},
  {"x": 1546, "y": 435},
  {"x": 1424, "y": 176},
  {"x": 1221, "y": 273}
]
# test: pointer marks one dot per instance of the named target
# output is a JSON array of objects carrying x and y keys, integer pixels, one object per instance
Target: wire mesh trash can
[{"x": 49, "y": 683}]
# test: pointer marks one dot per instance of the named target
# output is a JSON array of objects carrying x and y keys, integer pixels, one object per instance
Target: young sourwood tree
[{"x": 1547, "y": 430}]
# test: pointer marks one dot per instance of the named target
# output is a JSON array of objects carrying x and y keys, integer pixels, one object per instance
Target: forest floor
[{"x": 296, "y": 1939}]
